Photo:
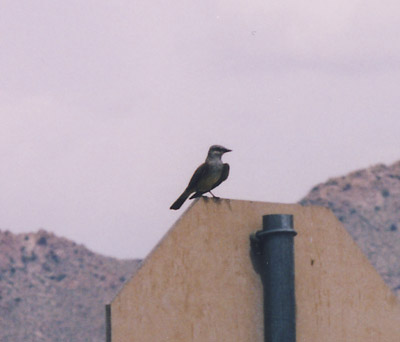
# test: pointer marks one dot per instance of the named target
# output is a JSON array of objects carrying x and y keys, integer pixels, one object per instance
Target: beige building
[{"x": 198, "y": 284}]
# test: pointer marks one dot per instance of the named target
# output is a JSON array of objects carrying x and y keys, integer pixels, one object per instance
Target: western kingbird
[{"x": 207, "y": 176}]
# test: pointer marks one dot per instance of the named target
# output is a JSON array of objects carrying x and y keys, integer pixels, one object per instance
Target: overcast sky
[{"x": 107, "y": 107}]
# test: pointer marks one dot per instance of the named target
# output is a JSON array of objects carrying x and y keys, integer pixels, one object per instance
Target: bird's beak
[{"x": 227, "y": 150}]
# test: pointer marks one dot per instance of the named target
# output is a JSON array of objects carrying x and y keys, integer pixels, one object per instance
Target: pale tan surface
[{"x": 198, "y": 284}]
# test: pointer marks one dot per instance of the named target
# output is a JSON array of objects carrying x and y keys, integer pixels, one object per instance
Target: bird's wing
[
  {"x": 198, "y": 174},
  {"x": 224, "y": 176}
]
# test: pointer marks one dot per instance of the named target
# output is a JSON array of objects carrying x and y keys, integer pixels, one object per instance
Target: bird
[{"x": 207, "y": 176}]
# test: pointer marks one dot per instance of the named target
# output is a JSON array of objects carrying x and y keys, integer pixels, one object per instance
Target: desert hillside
[
  {"x": 52, "y": 289},
  {"x": 368, "y": 203}
]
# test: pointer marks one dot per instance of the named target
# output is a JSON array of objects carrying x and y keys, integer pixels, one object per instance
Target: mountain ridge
[
  {"x": 52, "y": 288},
  {"x": 367, "y": 202}
]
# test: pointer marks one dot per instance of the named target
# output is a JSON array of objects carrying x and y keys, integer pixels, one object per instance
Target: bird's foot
[{"x": 214, "y": 197}]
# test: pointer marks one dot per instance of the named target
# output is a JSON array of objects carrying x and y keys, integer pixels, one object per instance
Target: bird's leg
[{"x": 217, "y": 198}]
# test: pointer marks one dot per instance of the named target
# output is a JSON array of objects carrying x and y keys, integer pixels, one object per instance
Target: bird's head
[{"x": 217, "y": 151}]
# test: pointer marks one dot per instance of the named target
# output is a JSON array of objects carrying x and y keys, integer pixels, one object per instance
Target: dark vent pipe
[
  {"x": 108, "y": 322},
  {"x": 272, "y": 254}
]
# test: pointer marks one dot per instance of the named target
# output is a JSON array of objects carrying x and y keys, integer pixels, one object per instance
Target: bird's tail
[
  {"x": 196, "y": 194},
  {"x": 182, "y": 198}
]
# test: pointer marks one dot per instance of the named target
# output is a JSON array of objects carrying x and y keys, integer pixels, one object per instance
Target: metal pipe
[
  {"x": 108, "y": 322},
  {"x": 272, "y": 253}
]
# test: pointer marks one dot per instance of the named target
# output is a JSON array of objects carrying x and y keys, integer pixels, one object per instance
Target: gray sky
[{"x": 107, "y": 107}]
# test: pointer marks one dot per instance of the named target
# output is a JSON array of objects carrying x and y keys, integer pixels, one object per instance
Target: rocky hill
[
  {"x": 52, "y": 289},
  {"x": 368, "y": 204}
]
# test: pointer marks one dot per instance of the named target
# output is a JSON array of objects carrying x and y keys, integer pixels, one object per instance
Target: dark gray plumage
[{"x": 207, "y": 176}]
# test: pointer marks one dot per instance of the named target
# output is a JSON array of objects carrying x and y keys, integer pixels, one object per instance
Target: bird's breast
[{"x": 210, "y": 177}]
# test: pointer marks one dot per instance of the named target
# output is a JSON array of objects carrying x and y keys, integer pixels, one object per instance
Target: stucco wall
[{"x": 198, "y": 284}]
